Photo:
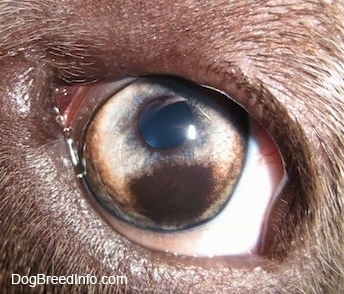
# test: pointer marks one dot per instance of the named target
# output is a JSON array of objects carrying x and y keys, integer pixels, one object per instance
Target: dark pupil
[{"x": 163, "y": 123}]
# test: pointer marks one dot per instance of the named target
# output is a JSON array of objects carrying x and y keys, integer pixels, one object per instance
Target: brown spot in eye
[{"x": 174, "y": 196}]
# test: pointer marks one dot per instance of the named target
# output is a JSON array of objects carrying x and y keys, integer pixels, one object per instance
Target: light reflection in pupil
[{"x": 166, "y": 123}]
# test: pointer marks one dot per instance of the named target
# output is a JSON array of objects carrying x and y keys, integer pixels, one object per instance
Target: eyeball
[
  {"x": 171, "y": 165},
  {"x": 163, "y": 155}
]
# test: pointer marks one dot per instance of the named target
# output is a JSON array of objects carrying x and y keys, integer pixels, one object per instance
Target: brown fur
[{"x": 282, "y": 60}]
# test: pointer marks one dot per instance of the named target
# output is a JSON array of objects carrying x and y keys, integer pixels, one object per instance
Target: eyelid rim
[
  {"x": 292, "y": 205},
  {"x": 72, "y": 104}
]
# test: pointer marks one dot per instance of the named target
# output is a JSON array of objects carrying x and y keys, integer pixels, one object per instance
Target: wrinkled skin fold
[{"x": 282, "y": 60}]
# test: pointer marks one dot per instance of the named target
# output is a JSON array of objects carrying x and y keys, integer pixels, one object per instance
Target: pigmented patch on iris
[{"x": 174, "y": 196}]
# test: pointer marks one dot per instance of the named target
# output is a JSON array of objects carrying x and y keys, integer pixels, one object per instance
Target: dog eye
[{"x": 171, "y": 165}]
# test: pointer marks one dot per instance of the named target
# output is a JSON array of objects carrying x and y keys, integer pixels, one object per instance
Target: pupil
[{"x": 165, "y": 123}]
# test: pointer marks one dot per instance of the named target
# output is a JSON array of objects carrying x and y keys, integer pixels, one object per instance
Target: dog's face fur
[{"x": 283, "y": 61}]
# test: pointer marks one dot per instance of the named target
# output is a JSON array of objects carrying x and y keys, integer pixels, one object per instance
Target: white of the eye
[{"x": 238, "y": 227}]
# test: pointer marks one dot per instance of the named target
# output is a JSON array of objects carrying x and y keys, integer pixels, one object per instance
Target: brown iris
[{"x": 165, "y": 155}]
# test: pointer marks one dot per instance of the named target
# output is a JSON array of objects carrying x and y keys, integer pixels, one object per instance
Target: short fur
[{"x": 282, "y": 60}]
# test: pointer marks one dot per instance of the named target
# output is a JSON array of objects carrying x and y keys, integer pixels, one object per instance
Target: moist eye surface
[{"x": 165, "y": 155}]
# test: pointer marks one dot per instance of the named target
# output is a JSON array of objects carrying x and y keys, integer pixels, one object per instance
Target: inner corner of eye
[{"x": 175, "y": 167}]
